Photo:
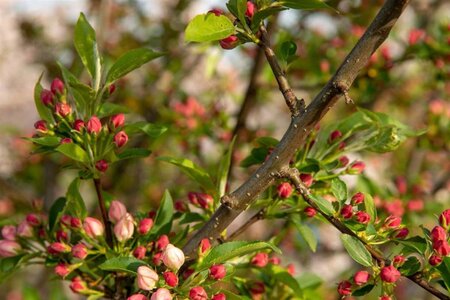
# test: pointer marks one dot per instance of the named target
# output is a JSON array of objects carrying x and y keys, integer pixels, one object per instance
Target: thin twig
[
  {"x": 101, "y": 203},
  {"x": 255, "y": 218}
]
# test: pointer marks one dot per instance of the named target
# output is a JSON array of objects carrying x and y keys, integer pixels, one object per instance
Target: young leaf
[
  {"x": 163, "y": 219},
  {"x": 288, "y": 50},
  {"x": 363, "y": 291},
  {"x": 305, "y": 4},
  {"x": 122, "y": 264},
  {"x": 43, "y": 111},
  {"x": 370, "y": 207},
  {"x": 74, "y": 152},
  {"x": 130, "y": 61},
  {"x": 224, "y": 166},
  {"x": 133, "y": 153},
  {"x": 309, "y": 281},
  {"x": 356, "y": 250},
  {"x": 339, "y": 189},
  {"x": 415, "y": 244},
  {"x": 74, "y": 203},
  {"x": 208, "y": 27},
  {"x": 444, "y": 269},
  {"x": 55, "y": 212},
  {"x": 280, "y": 274},
  {"x": 308, "y": 235},
  {"x": 50, "y": 141},
  {"x": 323, "y": 204},
  {"x": 151, "y": 130},
  {"x": 411, "y": 266},
  {"x": 108, "y": 109}
]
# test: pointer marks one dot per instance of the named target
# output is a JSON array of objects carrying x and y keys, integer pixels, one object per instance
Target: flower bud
[
  {"x": 139, "y": 252},
  {"x": 229, "y": 43},
  {"x": 356, "y": 168},
  {"x": 171, "y": 279},
  {"x": 217, "y": 272},
  {"x": 65, "y": 141},
  {"x": 361, "y": 277},
  {"x": 251, "y": 8},
  {"x": 444, "y": 218},
  {"x": 57, "y": 86},
  {"x": 401, "y": 184},
  {"x": 47, "y": 97},
  {"x": 94, "y": 125},
  {"x": 198, "y": 293},
  {"x": 145, "y": 225},
  {"x": 9, "y": 248},
  {"x": 343, "y": 161},
  {"x": 137, "y": 297},
  {"x": 162, "y": 242},
  {"x": 344, "y": 288},
  {"x": 205, "y": 245},
  {"x": 275, "y": 260},
  {"x": 307, "y": 179},
  {"x": 157, "y": 259},
  {"x": 385, "y": 297},
  {"x": 260, "y": 260},
  {"x": 219, "y": 296},
  {"x": 401, "y": 234},
  {"x": 101, "y": 165},
  {"x": 161, "y": 294},
  {"x": 80, "y": 251},
  {"x": 415, "y": 205},
  {"x": 93, "y": 227},
  {"x": 257, "y": 288},
  {"x": 111, "y": 88},
  {"x": 78, "y": 286},
  {"x": 65, "y": 220},
  {"x": 442, "y": 247},
  {"x": 41, "y": 126},
  {"x": 310, "y": 211},
  {"x": 334, "y": 136},
  {"x": 24, "y": 229},
  {"x": 62, "y": 270},
  {"x": 173, "y": 257},
  {"x": 57, "y": 248},
  {"x": 192, "y": 196},
  {"x": 118, "y": 120},
  {"x": 205, "y": 200},
  {"x": 216, "y": 11},
  {"x": 116, "y": 211},
  {"x": 78, "y": 125},
  {"x": 146, "y": 278},
  {"x": 415, "y": 36},
  {"x": 120, "y": 139},
  {"x": 62, "y": 236},
  {"x": 358, "y": 198},
  {"x": 435, "y": 260},
  {"x": 398, "y": 260},
  {"x": 438, "y": 234},
  {"x": 362, "y": 217},
  {"x": 9, "y": 232},
  {"x": 124, "y": 229},
  {"x": 33, "y": 219},
  {"x": 389, "y": 274},
  {"x": 284, "y": 190},
  {"x": 180, "y": 206},
  {"x": 347, "y": 211},
  {"x": 63, "y": 109},
  {"x": 392, "y": 221},
  {"x": 291, "y": 269},
  {"x": 75, "y": 222}
]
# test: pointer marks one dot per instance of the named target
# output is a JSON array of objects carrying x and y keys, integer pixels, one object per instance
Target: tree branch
[{"x": 101, "y": 203}]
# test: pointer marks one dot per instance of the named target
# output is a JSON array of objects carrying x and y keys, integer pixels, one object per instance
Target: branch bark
[{"x": 101, "y": 203}]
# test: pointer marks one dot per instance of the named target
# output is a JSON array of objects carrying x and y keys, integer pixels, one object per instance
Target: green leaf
[
  {"x": 75, "y": 203},
  {"x": 50, "y": 141},
  {"x": 196, "y": 173},
  {"x": 411, "y": 266},
  {"x": 130, "y": 61},
  {"x": 369, "y": 205},
  {"x": 305, "y": 4},
  {"x": 288, "y": 50},
  {"x": 225, "y": 252},
  {"x": 280, "y": 274},
  {"x": 74, "y": 152},
  {"x": 86, "y": 46},
  {"x": 44, "y": 112},
  {"x": 109, "y": 109},
  {"x": 208, "y": 27},
  {"x": 356, "y": 250},
  {"x": 222, "y": 172},
  {"x": 323, "y": 204},
  {"x": 415, "y": 244},
  {"x": 444, "y": 269},
  {"x": 339, "y": 189},
  {"x": 133, "y": 153},
  {"x": 260, "y": 15},
  {"x": 122, "y": 264},
  {"x": 164, "y": 216},
  {"x": 363, "y": 291},
  {"x": 309, "y": 281},
  {"x": 307, "y": 234},
  {"x": 151, "y": 130},
  {"x": 30, "y": 293},
  {"x": 56, "y": 212}
]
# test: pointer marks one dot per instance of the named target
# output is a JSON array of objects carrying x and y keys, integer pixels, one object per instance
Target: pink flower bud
[
  {"x": 361, "y": 277},
  {"x": 389, "y": 274},
  {"x": 173, "y": 257},
  {"x": 57, "y": 248},
  {"x": 9, "y": 248},
  {"x": 78, "y": 125},
  {"x": 442, "y": 247},
  {"x": 344, "y": 288},
  {"x": 145, "y": 225},
  {"x": 362, "y": 217},
  {"x": 120, "y": 139},
  {"x": 192, "y": 196},
  {"x": 216, "y": 11},
  {"x": 101, "y": 165},
  {"x": 334, "y": 136},
  {"x": 401, "y": 184},
  {"x": 347, "y": 211},
  {"x": 444, "y": 218},
  {"x": 284, "y": 190},
  {"x": 343, "y": 161},
  {"x": 62, "y": 236},
  {"x": 41, "y": 125},
  {"x": 157, "y": 259},
  {"x": 415, "y": 36},
  {"x": 291, "y": 269},
  {"x": 80, "y": 251},
  {"x": 392, "y": 221},
  {"x": 205, "y": 245},
  {"x": 137, "y": 297},
  {"x": 93, "y": 227},
  {"x": 385, "y": 297},
  {"x": 205, "y": 200},
  {"x": 47, "y": 97},
  {"x": 161, "y": 294},
  {"x": 146, "y": 278},
  {"x": 116, "y": 211},
  {"x": 78, "y": 285},
  {"x": 220, "y": 296},
  {"x": 118, "y": 120},
  {"x": 217, "y": 272},
  {"x": 275, "y": 260},
  {"x": 307, "y": 179},
  {"x": 111, "y": 89},
  {"x": 24, "y": 229},
  {"x": 33, "y": 219},
  {"x": 356, "y": 168},
  {"x": 75, "y": 223},
  {"x": 180, "y": 206},
  {"x": 358, "y": 198},
  {"x": 260, "y": 260},
  {"x": 124, "y": 229},
  {"x": 57, "y": 86},
  {"x": 62, "y": 270},
  {"x": 229, "y": 43},
  {"x": 310, "y": 211},
  {"x": 94, "y": 125},
  {"x": 9, "y": 232},
  {"x": 398, "y": 260},
  {"x": 435, "y": 260},
  {"x": 66, "y": 219},
  {"x": 438, "y": 233},
  {"x": 251, "y": 8},
  {"x": 171, "y": 279},
  {"x": 139, "y": 252},
  {"x": 402, "y": 233},
  {"x": 257, "y": 288},
  {"x": 63, "y": 109},
  {"x": 198, "y": 293},
  {"x": 162, "y": 242},
  {"x": 65, "y": 141}
]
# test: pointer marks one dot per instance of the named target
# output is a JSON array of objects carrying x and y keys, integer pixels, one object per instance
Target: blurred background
[{"x": 198, "y": 91}]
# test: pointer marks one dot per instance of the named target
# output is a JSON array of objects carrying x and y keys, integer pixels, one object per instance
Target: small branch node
[{"x": 343, "y": 88}]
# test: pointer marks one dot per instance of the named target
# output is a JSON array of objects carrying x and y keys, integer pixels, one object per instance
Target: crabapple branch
[{"x": 106, "y": 222}]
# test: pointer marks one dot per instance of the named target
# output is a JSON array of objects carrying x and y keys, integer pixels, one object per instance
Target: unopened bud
[
  {"x": 146, "y": 278},
  {"x": 9, "y": 248},
  {"x": 171, "y": 279},
  {"x": 101, "y": 165},
  {"x": 116, "y": 211},
  {"x": 57, "y": 86},
  {"x": 173, "y": 257},
  {"x": 94, "y": 125},
  {"x": 120, "y": 139}
]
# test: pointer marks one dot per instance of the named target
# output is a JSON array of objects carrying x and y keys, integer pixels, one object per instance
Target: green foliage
[
  {"x": 74, "y": 202},
  {"x": 122, "y": 264},
  {"x": 74, "y": 152},
  {"x": 208, "y": 27},
  {"x": 356, "y": 250},
  {"x": 43, "y": 111},
  {"x": 164, "y": 216},
  {"x": 339, "y": 189},
  {"x": 304, "y": 4}
]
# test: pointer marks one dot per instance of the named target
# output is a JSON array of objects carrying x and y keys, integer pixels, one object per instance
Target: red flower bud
[
  {"x": 57, "y": 248},
  {"x": 171, "y": 279},
  {"x": 398, "y": 260},
  {"x": 356, "y": 168},
  {"x": 187, "y": 273},
  {"x": 94, "y": 125},
  {"x": 118, "y": 120},
  {"x": 361, "y": 277},
  {"x": 116, "y": 211},
  {"x": 229, "y": 43},
  {"x": 220, "y": 296},
  {"x": 198, "y": 293},
  {"x": 205, "y": 200},
  {"x": 78, "y": 125},
  {"x": 310, "y": 211},
  {"x": 75, "y": 223},
  {"x": 275, "y": 260},
  {"x": 307, "y": 179},
  {"x": 334, "y": 136},
  {"x": 401, "y": 234},
  {"x": 392, "y": 221},
  {"x": 80, "y": 251},
  {"x": 61, "y": 236},
  {"x": 284, "y": 190},
  {"x": 101, "y": 165},
  {"x": 438, "y": 234},
  {"x": 389, "y": 274},
  {"x": 162, "y": 242},
  {"x": 385, "y": 297},
  {"x": 112, "y": 89},
  {"x": 62, "y": 270},
  {"x": 24, "y": 229},
  {"x": 401, "y": 184},
  {"x": 251, "y": 8},
  {"x": 145, "y": 225},
  {"x": 344, "y": 288},
  {"x": 33, "y": 219},
  {"x": 65, "y": 141},
  {"x": 415, "y": 36},
  {"x": 57, "y": 86},
  {"x": 47, "y": 97},
  {"x": 442, "y": 247},
  {"x": 78, "y": 286},
  {"x": 291, "y": 269},
  {"x": 9, "y": 248},
  {"x": 217, "y": 272},
  {"x": 9, "y": 232},
  {"x": 260, "y": 260},
  {"x": 347, "y": 211},
  {"x": 205, "y": 245},
  {"x": 257, "y": 288},
  {"x": 362, "y": 217},
  {"x": 343, "y": 161},
  {"x": 157, "y": 259},
  {"x": 444, "y": 218},
  {"x": 41, "y": 125},
  {"x": 358, "y": 198},
  {"x": 139, "y": 252},
  {"x": 216, "y": 11},
  {"x": 120, "y": 139},
  {"x": 63, "y": 109},
  {"x": 180, "y": 206},
  {"x": 435, "y": 260},
  {"x": 415, "y": 205}
]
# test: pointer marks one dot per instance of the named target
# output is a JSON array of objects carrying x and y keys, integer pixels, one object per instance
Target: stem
[{"x": 101, "y": 203}]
